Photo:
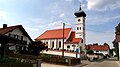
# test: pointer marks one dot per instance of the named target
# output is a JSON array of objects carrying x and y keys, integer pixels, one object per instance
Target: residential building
[
  {"x": 101, "y": 49},
  {"x": 19, "y": 37},
  {"x": 72, "y": 39}
]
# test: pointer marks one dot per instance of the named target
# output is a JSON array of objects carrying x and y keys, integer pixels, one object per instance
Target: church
[{"x": 66, "y": 38}]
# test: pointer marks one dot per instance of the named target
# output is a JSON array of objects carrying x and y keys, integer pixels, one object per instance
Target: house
[
  {"x": 72, "y": 39},
  {"x": 15, "y": 37},
  {"x": 101, "y": 49}
]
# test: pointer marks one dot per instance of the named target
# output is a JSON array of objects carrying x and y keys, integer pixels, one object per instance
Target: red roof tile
[
  {"x": 72, "y": 39},
  {"x": 3, "y": 31},
  {"x": 8, "y": 29},
  {"x": 54, "y": 34},
  {"x": 97, "y": 47}
]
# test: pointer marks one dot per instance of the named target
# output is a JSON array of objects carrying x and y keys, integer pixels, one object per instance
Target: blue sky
[{"x": 37, "y": 16}]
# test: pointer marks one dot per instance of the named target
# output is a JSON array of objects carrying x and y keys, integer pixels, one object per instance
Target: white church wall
[
  {"x": 56, "y": 43},
  {"x": 71, "y": 47}
]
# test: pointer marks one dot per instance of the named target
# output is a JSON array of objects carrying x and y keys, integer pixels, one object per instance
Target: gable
[
  {"x": 18, "y": 30},
  {"x": 72, "y": 39}
]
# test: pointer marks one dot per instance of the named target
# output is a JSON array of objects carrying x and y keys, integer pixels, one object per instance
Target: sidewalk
[{"x": 83, "y": 63}]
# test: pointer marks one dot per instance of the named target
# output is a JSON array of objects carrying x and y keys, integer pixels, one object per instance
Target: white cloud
[
  {"x": 55, "y": 25},
  {"x": 31, "y": 29},
  {"x": 3, "y": 16},
  {"x": 62, "y": 15},
  {"x": 103, "y": 4},
  {"x": 38, "y": 21},
  {"x": 3, "y": 13},
  {"x": 100, "y": 19}
]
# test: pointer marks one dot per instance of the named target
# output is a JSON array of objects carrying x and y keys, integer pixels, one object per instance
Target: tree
[
  {"x": 116, "y": 48},
  {"x": 89, "y": 52},
  {"x": 36, "y": 47},
  {"x": 117, "y": 29},
  {"x": 105, "y": 44},
  {"x": 95, "y": 43},
  {"x": 115, "y": 44}
]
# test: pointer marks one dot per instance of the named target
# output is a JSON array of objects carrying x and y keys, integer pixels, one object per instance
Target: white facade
[
  {"x": 18, "y": 32},
  {"x": 57, "y": 44},
  {"x": 80, "y": 30},
  {"x": 54, "y": 43},
  {"x": 102, "y": 52},
  {"x": 80, "y": 27},
  {"x": 71, "y": 47}
]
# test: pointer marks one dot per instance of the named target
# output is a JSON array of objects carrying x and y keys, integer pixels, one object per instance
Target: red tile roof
[
  {"x": 8, "y": 29},
  {"x": 4, "y": 31},
  {"x": 55, "y": 34},
  {"x": 97, "y": 47},
  {"x": 72, "y": 39}
]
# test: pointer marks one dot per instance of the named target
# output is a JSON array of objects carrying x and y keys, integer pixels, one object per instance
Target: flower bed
[{"x": 51, "y": 59}]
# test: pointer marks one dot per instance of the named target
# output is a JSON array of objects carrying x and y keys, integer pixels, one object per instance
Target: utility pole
[{"x": 63, "y": 40}]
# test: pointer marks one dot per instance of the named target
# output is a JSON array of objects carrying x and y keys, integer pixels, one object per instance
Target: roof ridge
[
  {"x": 12, "y": 26},
  {"x": 58, "y": 29}
]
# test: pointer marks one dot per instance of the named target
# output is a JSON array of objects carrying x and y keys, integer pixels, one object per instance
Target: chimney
[{"x": 4, "y": 26}]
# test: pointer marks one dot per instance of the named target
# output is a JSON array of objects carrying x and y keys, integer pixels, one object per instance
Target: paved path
[
  {"x": 105, "y": 63},
  {"x": 83, "y": 63}
]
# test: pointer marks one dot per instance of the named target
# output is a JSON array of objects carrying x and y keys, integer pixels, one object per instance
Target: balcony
[
  {"x": 16, "y": 36},
  {"x": 20, "y": 38}
]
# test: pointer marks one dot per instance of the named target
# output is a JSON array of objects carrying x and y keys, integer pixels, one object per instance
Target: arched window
[
  {"x": 53, "y": 44},
  {"x": 46, "y": 42},
  {"x": 80, "y": 28},
  {"x": 77, "y": 28},
  {"x": 59, "y": 44}
]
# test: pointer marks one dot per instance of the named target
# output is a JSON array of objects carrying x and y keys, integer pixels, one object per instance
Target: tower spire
[{"x": 80, "y": 6}]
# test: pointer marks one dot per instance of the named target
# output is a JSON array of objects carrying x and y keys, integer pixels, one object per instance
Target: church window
[
  {"x": 81, "y": 40},
  {"x": 73, "y": 46},
  {"x": 59, "y": 44},
  {"x": 53, "y": 44},
  {"x": 68, "y": 46},
  {"x": 80, "y": 28},
  {"x": 77, "y": 28},
  {"x": 46, "y": 42}
]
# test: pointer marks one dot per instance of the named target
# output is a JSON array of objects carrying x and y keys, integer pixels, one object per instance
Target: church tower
[{"x": 80, "y": 25}]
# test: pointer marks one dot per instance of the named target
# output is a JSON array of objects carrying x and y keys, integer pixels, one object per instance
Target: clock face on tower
[{"x": 79, "y": 20}]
